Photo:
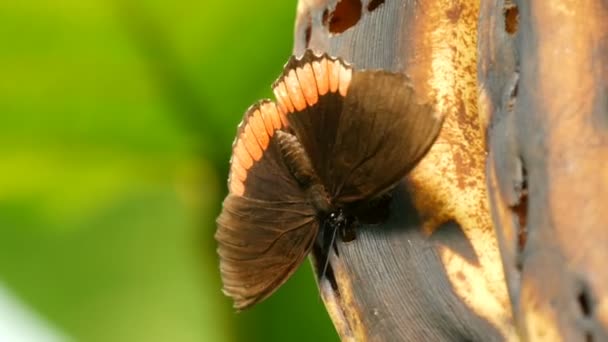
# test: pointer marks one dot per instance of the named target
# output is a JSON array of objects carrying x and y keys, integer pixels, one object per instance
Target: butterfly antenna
[{"x": 328, "y": 249}]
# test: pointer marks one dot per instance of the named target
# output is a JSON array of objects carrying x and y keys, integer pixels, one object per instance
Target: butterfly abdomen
[{"x": 299, "y": 165}]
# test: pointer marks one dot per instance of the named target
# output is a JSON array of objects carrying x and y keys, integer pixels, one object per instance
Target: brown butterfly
[{"x": 335, "y": 137}]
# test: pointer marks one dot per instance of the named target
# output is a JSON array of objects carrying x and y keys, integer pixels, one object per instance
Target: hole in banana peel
[
  {"x": 511, "y": 15},
  {"x": 585, "y": 301},
  {"x": 513, "y": 93},
  {"x": 521, "y": 213},
  {"x": 345, "y": 16},
  {"x": 586, "y": 305},
  {"x": 374, "y": 4}
]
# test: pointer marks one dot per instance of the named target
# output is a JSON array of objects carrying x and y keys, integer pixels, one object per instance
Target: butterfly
[{"x": 334, "y": 138}]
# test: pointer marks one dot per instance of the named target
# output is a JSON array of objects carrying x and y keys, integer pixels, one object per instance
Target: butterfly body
[
  {"x": 335, "y": 138},
  {"x": 301, "y": 169}
]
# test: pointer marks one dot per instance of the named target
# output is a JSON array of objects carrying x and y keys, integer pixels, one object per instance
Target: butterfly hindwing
[
  {"x": 256, "y": 166},
  {"x": 261, "y": 244},
  {"x": 266, "y": 227}
]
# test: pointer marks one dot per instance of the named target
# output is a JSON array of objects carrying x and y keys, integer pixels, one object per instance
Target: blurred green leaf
[{"x": 116, "y": 121}]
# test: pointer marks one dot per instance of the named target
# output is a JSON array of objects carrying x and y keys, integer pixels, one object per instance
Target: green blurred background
[{"x": 116, "y": 120}]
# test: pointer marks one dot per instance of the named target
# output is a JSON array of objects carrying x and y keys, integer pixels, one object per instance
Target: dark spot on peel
[
  {"x": 515, "y": 90},
  {"x": 586, "y": 305},
  {"x": 325, "y": 17},
  {"x": 513, "y": 94},
  {"x": 307, "y": 34},
  {"x": 454, "y": 13},
  {"x": 345, "y": 16},
  {"x": 462, "y": 167},
  {"x": 584, "y": 301},
  {"x": 374, "y": 4},
  {"x": 511, "y": 15},
  {"x": 520, "y": 209},
  {"x": 308, "y": 31}
]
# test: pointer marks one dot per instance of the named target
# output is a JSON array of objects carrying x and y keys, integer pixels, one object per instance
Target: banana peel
[
  {"x": 542, "y": 99},
  {"x": 434, "y": 270}
]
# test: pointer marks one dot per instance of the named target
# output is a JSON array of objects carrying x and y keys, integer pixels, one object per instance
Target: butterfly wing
[
  {"x": 383, "y": 133},
  {"x": 261, "y": 244},
  {"x": 363, "y": 130},
  {"x": 310, "y": 93},
  {"x": 266, "y": 227}
]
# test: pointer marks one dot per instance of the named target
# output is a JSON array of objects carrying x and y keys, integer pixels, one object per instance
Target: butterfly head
[{"x": 340, "y": 221}]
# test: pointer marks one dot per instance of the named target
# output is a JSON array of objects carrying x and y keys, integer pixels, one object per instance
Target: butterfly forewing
[
  {"x": 313, "y": 119},
  {"x": 363, "y": 132}
]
